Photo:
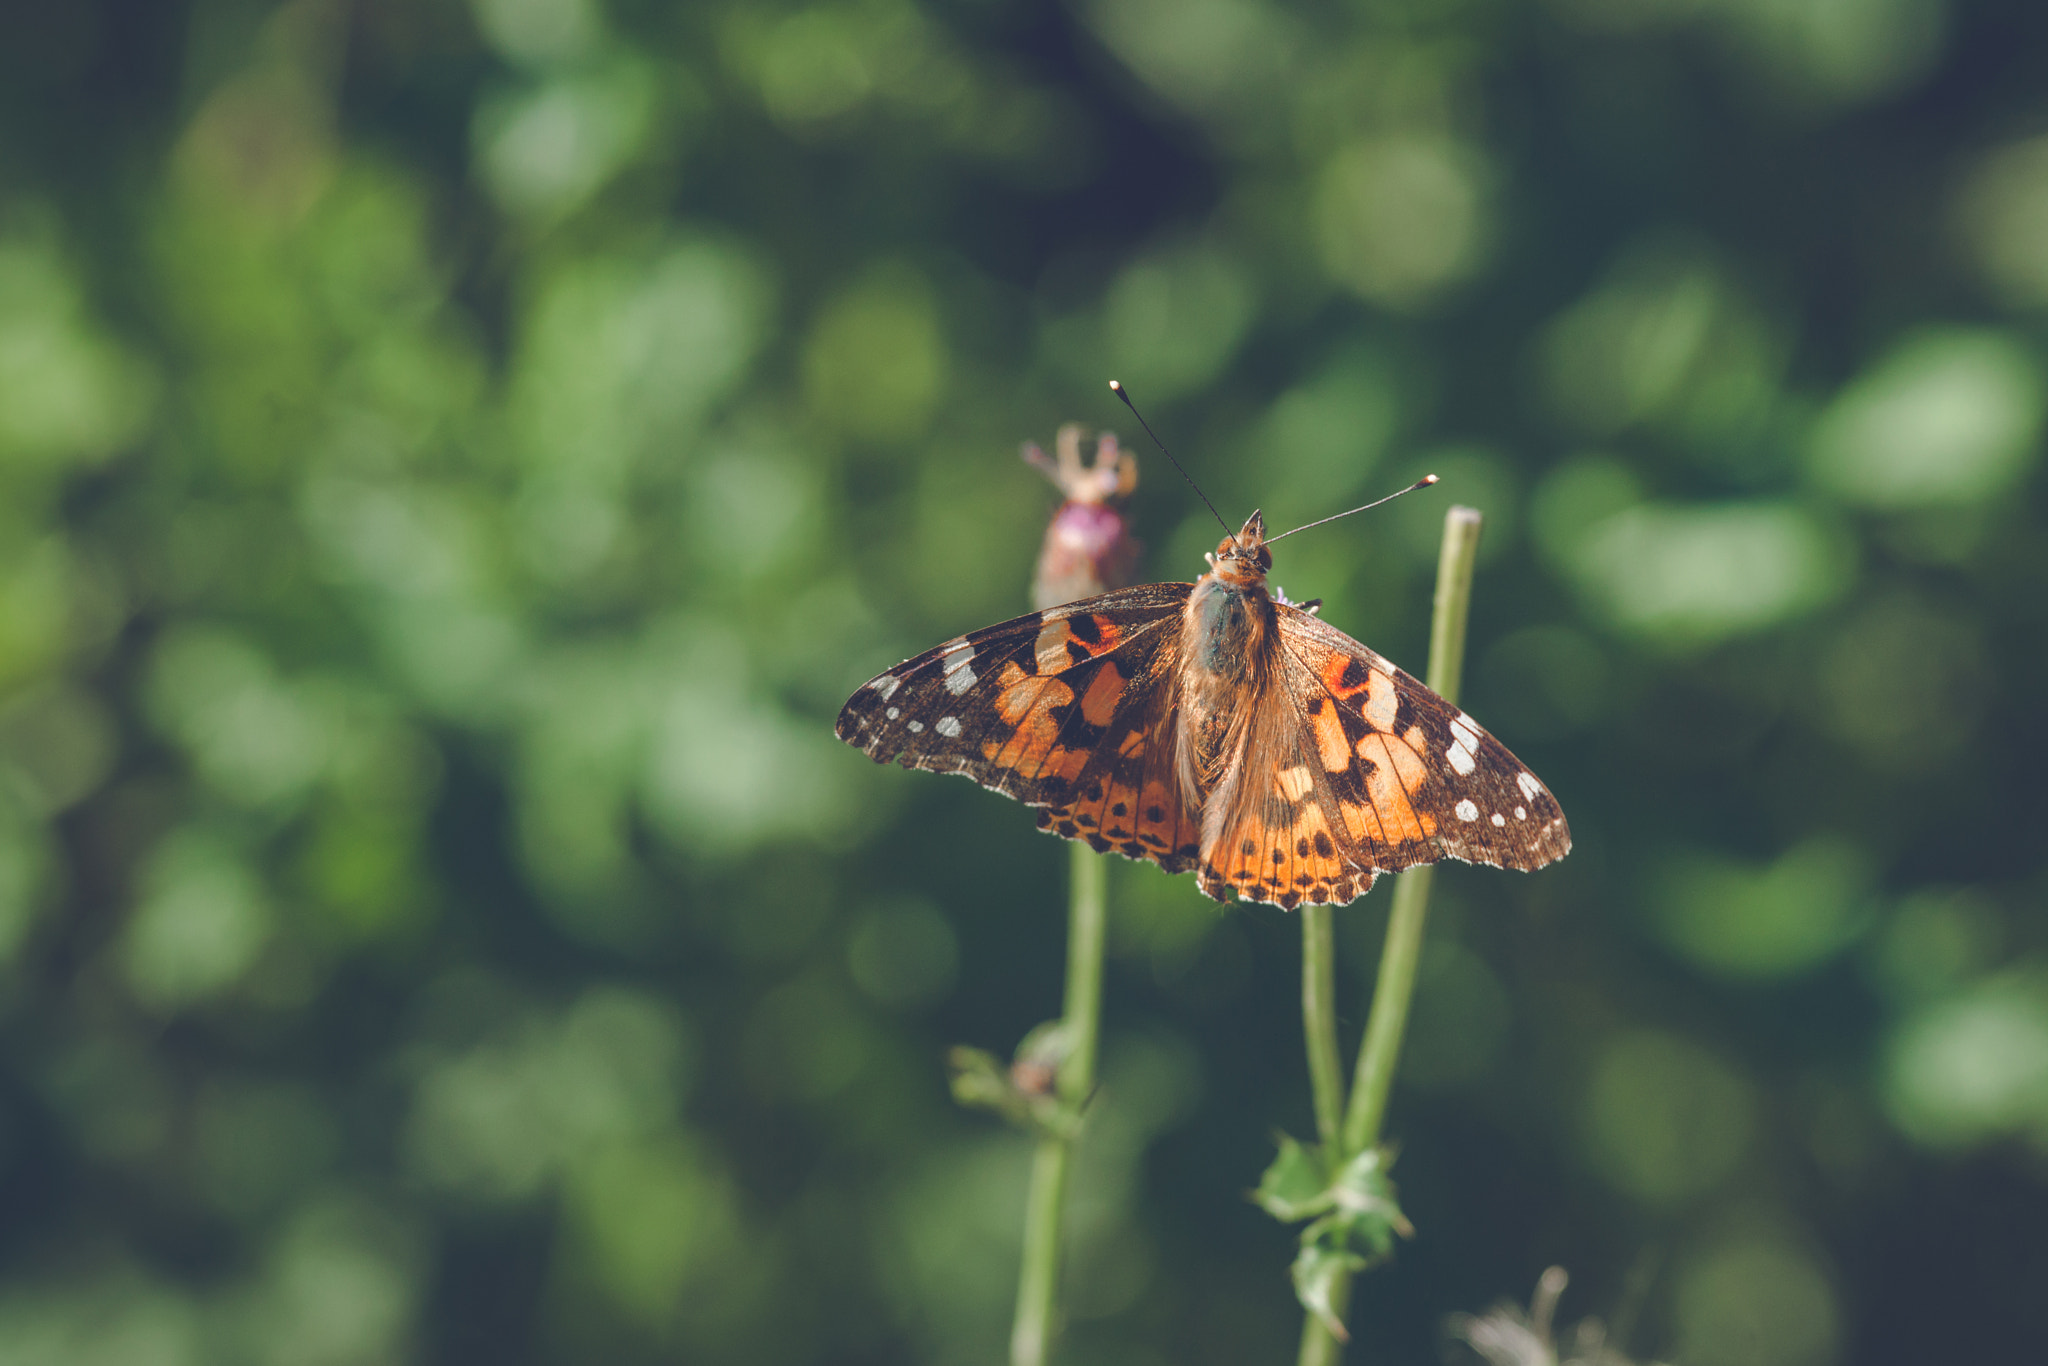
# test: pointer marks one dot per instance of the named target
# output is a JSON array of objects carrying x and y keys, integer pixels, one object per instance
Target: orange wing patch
[
  {"x": 1342, "y": 676},
  {"x": 1287, "y": 854},
  {"x": 1396, "y": 771},
  {"x": 1333, "y": 747},
  {"x": 1141, "y": 822},
  {"x": 1377, "y": 776},
  {"x": 1064, "y": 642},
  {"x": 1026, "y": 702},
  {"x": 1105, "y": 694}
]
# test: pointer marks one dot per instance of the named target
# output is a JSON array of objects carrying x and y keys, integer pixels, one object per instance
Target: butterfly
[{"x": 1216, "y": 726}]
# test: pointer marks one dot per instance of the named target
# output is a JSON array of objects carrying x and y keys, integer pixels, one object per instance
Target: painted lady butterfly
[{"x": 1214, "y": 726}]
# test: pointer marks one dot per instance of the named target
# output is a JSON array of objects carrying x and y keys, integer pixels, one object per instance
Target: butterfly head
[{"x": 1242, "y": 560}]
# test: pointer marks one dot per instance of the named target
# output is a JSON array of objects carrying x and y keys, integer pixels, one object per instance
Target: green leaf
[
  {"x": 1363, "y": 1188},
  {"x": 1295, "y": 1186},
  {"x": 1359, "y": 1220},
  {"x": 1318, "y": 1270},
  {"x": 1021, "y": 1093}
]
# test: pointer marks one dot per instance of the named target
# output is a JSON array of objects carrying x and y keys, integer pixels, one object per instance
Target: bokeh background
[{"x": 455, "y": 458}]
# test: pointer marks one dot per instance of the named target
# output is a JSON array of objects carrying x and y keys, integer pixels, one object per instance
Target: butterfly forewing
[
  {"x": 1026, "y": 707},
  {"x": 1413, "y": 778}
]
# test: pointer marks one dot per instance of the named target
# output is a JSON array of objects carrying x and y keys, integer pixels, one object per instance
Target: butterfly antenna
[
  {"x": 1118, "y": 389},
  {"x": 1424, "y": 482}
]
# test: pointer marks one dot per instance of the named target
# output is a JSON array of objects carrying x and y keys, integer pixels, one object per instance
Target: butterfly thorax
[{"x": 1227, "y": 636}]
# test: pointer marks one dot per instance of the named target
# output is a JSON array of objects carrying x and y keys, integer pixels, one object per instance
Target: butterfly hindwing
[
  {"x": 1277, "y": 834},
  {"x": 1128, "y": 798},
  {"x": 1026, "y": 706}
]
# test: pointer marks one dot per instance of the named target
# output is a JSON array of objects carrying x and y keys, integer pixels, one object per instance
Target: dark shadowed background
[{"x": 455, "y": 459}]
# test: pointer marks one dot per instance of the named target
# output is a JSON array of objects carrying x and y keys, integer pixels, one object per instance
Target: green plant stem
[
  {"x": 1379, "y": 1054},
  {"x": 1384, "y": 1028},
  {"x": 1083, "y": 1010},
  {"x": 1391, "y": 996},
  {"x": 1037, "y": 1318},
  {"x": 1038, "y": 1283},
  {"x": 1319, "y": 1022},
  {"x": 1318, "y": 1348}
]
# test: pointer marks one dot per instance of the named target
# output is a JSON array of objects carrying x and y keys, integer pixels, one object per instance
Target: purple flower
[{"x": 1088, "y": 546}]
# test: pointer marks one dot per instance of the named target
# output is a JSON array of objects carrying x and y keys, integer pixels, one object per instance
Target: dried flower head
[
  {"x": 1088, "y": 546},
  {"x": 1506, "y": 1335}
]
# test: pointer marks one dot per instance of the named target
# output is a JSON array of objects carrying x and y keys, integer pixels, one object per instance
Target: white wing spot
[
  {"x": 954, "y": 657},
  {"x": 916, "y": 726},
  {"x": 886, "y": 685},
  {"x": 949, "y": 726},
  {"x": 1499, "y": 819},
  {"x": 892, "y": 713},
  {"x": 1521, "y": 813},
  {"x": 1466, "y": 811},
  {"x": 1527, "y": 782},
  {"x": 1464, "y": 744}
]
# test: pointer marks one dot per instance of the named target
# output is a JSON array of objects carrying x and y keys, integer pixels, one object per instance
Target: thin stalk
[
  {"x": 1037, "y": 1318},
  {"x": 1085, "y": 922},
  {"x": 1318, "y": 1348},
  {"x": 1395, "y": 990},
  {"x": 1391, "y": 996},
  {"x": 1388, "y": 1022},
  {"x": 1038, "y": 1283},
  {"x": 1319, "y": 1023}
]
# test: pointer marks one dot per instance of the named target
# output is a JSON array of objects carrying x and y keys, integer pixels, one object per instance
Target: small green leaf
[
  {"x": 1368, "y": 1237},
  {"x": 1022, "y": 1093},
  {"x": 1295, "y": 1186},
  {"x": 1317, "y": 1272},
  {"x": 1359, "y": 1221},
  {"x": 1363, "y": 1188},
  {"x": 978, "y": 1079}
]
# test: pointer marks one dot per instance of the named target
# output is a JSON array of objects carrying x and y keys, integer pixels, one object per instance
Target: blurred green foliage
[{"x": 455, "y": 458}]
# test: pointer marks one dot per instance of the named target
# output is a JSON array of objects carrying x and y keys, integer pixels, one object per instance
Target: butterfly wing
[
  {"x": 1061, "y": 709},
  {"x": 1436, "y": 784},
  {"x": 1355, "y": 767}
]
